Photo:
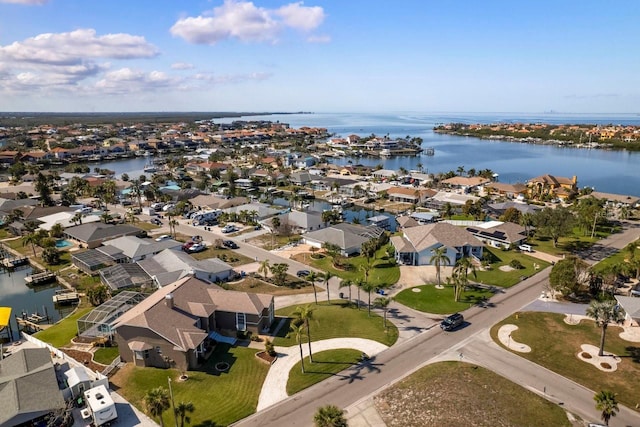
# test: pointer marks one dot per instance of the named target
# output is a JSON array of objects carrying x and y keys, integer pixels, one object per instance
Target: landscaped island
[{"x": 616, "y": 137}]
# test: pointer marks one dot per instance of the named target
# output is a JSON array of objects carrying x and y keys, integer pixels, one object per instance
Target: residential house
[
  {"x": 302, "y": 222},
  {"x": 441, "y": 198},
  {"x": 415, "y": 196},
  {"x": 208, "y": 201},
  {"x": 499, "y": 234},
  {"x": 178, "y": 324},
  {"x": 259, "y": 211},
  {"x": 94, "y": 234},
  {"x": 417, "y": 244},
  {"x": 631, "y": 306},
  {"x": 29, "y": 388},
  {"x": 498, "y": 209},
  {"x": 552, "y": 186},
  {"x": 510, "y": 191},
  {"x": 132, "y": 249},
  {"x": 616, "y": 199},
  {"x": 348, "y": 237},
  {"x": 466, "y": 183},
  {"x": 300, "y": 178}
]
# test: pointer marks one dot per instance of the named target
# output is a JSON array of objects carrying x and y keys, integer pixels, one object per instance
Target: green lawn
[
  {"x": 559, "y": 353},
  {"x": 505, "y": 279},
  {"x": 339, "y": 320},
  {"x": 460, "y": 394},
  {"x": 440, "y": 301},
  {"x": 227, "y": 255},
  {"x": 105, "y": 355},
  {"x": 326, "y": 364},
  {"x": 147, "y": 226},
  {"x": 219, "y": 398},
  {"x": 619, "y": 258},
  {"x": 384, "y": 271},
  {"x": 574, "y": 242},
  {"x": 60, "y": 334}
]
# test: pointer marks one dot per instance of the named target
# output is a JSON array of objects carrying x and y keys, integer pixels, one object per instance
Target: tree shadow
[
  {"x": 395, "y": 313},
  {"x": 220, "y": 355},
  {"x": 357, "y": 371},
  {"x": 634, "y": 353},
  {"x": 208, "y": 423}
]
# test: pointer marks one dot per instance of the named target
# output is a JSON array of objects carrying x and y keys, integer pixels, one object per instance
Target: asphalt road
[{"x": 361, "y": 381}]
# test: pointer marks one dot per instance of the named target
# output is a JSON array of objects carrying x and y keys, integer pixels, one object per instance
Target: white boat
[{"x": 150, "y": 167}]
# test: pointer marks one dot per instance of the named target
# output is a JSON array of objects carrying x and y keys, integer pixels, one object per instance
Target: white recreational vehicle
[
  {"x": 203, "y": 216},
  {"x": 100, "y": 406}
]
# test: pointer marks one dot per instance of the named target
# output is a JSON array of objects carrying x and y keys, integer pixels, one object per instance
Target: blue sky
[{"x": 321, "y": 56}]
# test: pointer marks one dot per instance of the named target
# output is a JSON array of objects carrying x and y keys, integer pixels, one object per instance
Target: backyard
[
  {"x": 501, "y": 273},
  {"x": 428, "y": 299},
  {"x": 559, "y": 353},
  {"x": 219, "y": 398},
  {"x": 340, "y": 319},
  {"x": 61, "y": 334}
]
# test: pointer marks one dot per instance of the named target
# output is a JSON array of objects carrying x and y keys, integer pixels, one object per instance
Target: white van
[{"x": 525, "y": 248}]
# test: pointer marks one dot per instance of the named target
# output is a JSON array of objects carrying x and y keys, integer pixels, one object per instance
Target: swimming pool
[{"x": 63, "y": 243}]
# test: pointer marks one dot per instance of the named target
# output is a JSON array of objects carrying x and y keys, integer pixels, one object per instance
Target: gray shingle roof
[
  {"x": 99, "y": 231},
  {"x": 425, "y": 236},
  {"x": 134, "y": 247}
]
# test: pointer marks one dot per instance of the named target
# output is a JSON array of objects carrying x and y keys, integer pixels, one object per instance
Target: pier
[
  {"x": 66, "y": 297},
  {"x": 29, "y": 326},
  {"x": 11, "y": 263},
  {"x": 40, "y": 278}
]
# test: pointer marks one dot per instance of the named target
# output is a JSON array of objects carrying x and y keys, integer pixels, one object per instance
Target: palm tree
[
  {"x": 264, "y": 268},
  {"x": 607, "y": 404},
  {"x": 305, "y": 314},
  {"x": 603, "y": 313},
  {"x": 327, "y": 276},
  {"x": 157, "y": 401},
  {"x": 383, "y": 303},
  {"x": 438, "y": 258},
  {"x": 182, "y": 409},
  {"x": 77, "y": 218},
  {"x": 368, "y": 287},
  {"x": 57, "y": 230},
  {"x": 346, "y": 283},
  {"x": 298, "y": 331},
  {"x": 461, "y": 273},
  {"x": 32, "y": 239},
  {"x": 311, "y": 278},
  {"x": 105, "y": 217},
  {"x": 329, "y": 416}
]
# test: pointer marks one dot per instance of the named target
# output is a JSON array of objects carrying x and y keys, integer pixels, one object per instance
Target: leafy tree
[
  {"x": 124, "y": 177},
  {"x": 182, "y": 410},
  {"x": 607, "y": 404},
  {"x": 51, "y": 255},
  {"x": 298, "y": 332},
  {"x": 98, "y": 294},
  {"x": 448, "y": 210},
  {"x": 304, "y": 314},
  {"x": 279, "y": 272},
  {"x": 57, "y": 230},
  {"x": 264, "y": 268},
  {"x": 334, "y": 252},
  {"x": 157, "y": 401},
  {"x": 603, "y": 313},
  {"x": 554, "y": 223},
  {"x": 77, "y": 218},
  {"x": 43, "y": 187},
  {"x": 439, "y": 257},
  {"x": 383, "y": 303},
  {"x": 105, "y": 217},
  {"x": 329, "y": 416},
  {"x": 569, "y": 275},
  {"x": 511, "y": 215}
]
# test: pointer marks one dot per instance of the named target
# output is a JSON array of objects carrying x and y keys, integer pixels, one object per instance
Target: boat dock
[
  {"x": 40, "y": 278},
  {"x": 10, "y": 263},
  {"x": 66, "y": 297},
  {"x": 30, "y": 326}
]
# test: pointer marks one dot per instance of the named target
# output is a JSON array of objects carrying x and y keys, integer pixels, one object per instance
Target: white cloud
[
  {"x": 27, "y": 2},
  {"x": 296, "y": 15},
  {"x": 75, "y": 46},
  {"x": 319, "y": 39},
  {"x": 182, "y": 66},
  {"x": 246, "y": 22},
  {"x": 127, "y": 80},
  {"x": 230, "y": 78}
]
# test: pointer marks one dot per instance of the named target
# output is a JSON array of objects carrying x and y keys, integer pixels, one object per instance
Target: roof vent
[{"x": 168, "y": 300}]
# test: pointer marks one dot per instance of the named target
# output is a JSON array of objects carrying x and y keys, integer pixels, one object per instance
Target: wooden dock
[
  {"x": 66, "y": 297},
  {"x": 14, "y": 262},
  {"x": 30, "y": 326},
  {"x": 40, "y": 278}
]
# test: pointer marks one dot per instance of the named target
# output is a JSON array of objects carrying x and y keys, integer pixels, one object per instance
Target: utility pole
[{"x": 173, "y": 405}]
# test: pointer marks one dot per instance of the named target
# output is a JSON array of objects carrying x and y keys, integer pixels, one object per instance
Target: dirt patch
[
  {"x": 266, "y": 357},
  {"x": 84, "y": 357}
]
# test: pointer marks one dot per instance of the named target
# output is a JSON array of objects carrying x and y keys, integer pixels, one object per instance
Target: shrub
[
  {"x": 516, "y": 264},
  {"x": 269, "y": 348}
]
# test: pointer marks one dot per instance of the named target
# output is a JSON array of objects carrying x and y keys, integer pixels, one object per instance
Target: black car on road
[
  {"x": 303, "y": 273},
  {"x": 230, "y": 244}
]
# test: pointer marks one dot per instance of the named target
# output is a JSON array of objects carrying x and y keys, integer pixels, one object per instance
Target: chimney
[
  {"x": 574, "y": 180},
  {"x": 168, "y": 300}
]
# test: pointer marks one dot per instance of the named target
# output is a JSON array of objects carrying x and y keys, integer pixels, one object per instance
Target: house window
[
  {"x": 146, "y": 354},
  {"x": 241, "y": 322},
  {"x": 139, "y": 355},
  {"x": 159, "y": 350}
]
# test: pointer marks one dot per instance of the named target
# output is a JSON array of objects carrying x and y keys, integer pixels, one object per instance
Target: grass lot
[
  {"x": 574, "y": 242},
  {"x": 326, "y": 364},
  {"x": 505, "y": 279},
  {"x": 80, "y": 281},
  {"x": 232, "y": 258},
  {"x": 440, "y": 301},
  {"x": 60, "y": 334},
  {"x": 459, "y": 394},
  {"x": 253, "y": 285},
  {"x": 269, "y": 242},
  {"x": 219, "y": 398},
  {"x": 339, "y": 320},
  {"x": 147, "y": 226},
  {"x": 384, "y": 272},
  {"x": 105, "y": 355},
  {"x": 559, "y": 353},
  {"x": 619, "y": 258},
  {"x": 5, "y": 234}
]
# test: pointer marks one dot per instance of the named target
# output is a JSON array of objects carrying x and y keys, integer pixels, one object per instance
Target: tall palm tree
[
  {"x": 359, "y": 284},
  {"x": 461, "y": 275},
  {"x": 264, "y": 268},
  {"x": 607, "y": 404},
  {"x": 383, "y": 303},
  {"x": 346, "y": 283},
  {"x": 32, "y": 239},
  {"x": 182, "y": 409},
  {"x": 329, "y": 416},
  {"x": 157, "y": 401},
  {"x": 105, "y": 217},
  {"x": 327, "y": 277},
  {"x": 368, "y": 287},
  {"x": 305, "y": 314},
  {"x": 77, "y": 218},
  {"x": 438, "y": 258},
  {"x": 298, "y": 332},
  {"x": 311, "y": 278},
  {"x": 605, "y": 312},
  {"x": 57, "y": 230}
]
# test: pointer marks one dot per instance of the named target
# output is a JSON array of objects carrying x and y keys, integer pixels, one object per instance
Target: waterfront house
[
  {"x": 300, "y": 178},
  {"x": 348, "y": 237},
  {"x": 94, "y": 234},
  {"x": 465, "y": 183},
  {"x": 612, "y": 199},
  {"x": 498, "y": 209},
  {"x": 499, "y": 234},
  {"x": 302, "y": 222},
  {"x": 208, "y": 201},
  {"x": 406, "y": 222},
  {"x": 631, "y": 306},
  {"x": 29, "y": 388},
  {"x": 416, "y": 245},
  {"x": 133, "y": 249},
  {"x": 441, "y": 198},
  {"x": 510, "y": 191},
  {"x": 552, "y": 186},
  {"x": 414, "y": 196},
  {"x": 179, "y": 324}
]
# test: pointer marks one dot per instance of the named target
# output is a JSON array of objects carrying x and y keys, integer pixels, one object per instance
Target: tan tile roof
[{"x": 425, "y": 236}]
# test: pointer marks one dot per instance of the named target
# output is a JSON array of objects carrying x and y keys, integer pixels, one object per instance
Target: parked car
[
  {"x": 162, "y": 237},
  {"x": 449, "y": 323},
  {"x": 303, "y": 273},
  {"x": 525, "y": 248},
  {"x": 229, "y": 228},
  {"x": 187, "y": 246},
  {"x": 156, "y": 221},
  {"x": 157, "y": 206},
  {"x": 230, "y": 244},
  {"x": 196, "y": 247},
  {"x": 142, "y": 234}
]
